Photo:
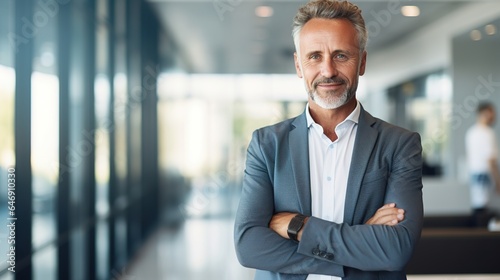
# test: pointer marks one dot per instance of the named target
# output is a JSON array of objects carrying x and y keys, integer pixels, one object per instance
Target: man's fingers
[
  {"x": 388, "y": 205},
  {"x": 387, "y": 215}
]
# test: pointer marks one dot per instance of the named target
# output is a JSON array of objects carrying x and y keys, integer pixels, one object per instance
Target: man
[
  {"x": 482, "y": 155},
  {"x": 333, "y": 193}
]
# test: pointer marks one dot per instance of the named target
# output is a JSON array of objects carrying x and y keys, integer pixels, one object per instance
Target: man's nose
[{"x": 328, "y": 68}]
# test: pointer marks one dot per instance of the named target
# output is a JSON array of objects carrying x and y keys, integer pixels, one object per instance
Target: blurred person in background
[
  {"x": 334, "y": 193},
  {"x": 482, "y": 158}
]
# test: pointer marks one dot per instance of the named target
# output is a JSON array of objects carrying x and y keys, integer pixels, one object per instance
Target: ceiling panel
[{"x": 225, "y": 36}]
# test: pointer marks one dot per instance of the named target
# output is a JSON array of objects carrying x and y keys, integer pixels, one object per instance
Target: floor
[{"x": 201, "y": 248}]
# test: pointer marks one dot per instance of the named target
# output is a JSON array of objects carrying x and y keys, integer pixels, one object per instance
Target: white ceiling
[{"x": 225, "y": 36}]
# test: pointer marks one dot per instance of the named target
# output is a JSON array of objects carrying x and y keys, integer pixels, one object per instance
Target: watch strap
[{"x": 295, "y": 226}]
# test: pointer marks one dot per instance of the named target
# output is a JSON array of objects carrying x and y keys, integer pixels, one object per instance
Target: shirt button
[{"x": 328, "y": 178}]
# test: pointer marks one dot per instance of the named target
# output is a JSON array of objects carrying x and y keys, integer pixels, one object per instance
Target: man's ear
[
  {"x": 362, "y": 65},
  {"x": 297, "y": 64}
]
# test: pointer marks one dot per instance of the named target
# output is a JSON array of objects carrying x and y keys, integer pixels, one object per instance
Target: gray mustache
[{"x": 329, "y": 81}]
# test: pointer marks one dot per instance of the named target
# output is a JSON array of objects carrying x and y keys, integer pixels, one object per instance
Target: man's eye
[
  {"x": 314, "y": 56},
  {"x": 341, "y": 56}
]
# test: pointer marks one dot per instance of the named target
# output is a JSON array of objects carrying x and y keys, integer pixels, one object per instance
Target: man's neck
[{"x": 330, "y": 118}]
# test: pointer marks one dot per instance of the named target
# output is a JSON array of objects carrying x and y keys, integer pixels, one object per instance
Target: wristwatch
[{"x": 295, "y": 225}]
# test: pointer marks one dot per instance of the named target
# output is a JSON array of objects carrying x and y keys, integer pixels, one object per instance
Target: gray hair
[{"x": 330, "y": 9}]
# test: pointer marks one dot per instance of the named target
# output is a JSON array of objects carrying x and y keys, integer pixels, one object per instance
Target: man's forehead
[{"x": 338, "y": 33}]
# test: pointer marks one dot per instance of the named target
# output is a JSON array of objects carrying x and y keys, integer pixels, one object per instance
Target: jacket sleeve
[
  {"x": 257, "y": 246},
  {"x": 376, "y": 247}
]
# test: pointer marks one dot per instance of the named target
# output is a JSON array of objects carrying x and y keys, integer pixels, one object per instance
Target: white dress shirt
[
  {"x": 481, "y": 147},
  {"x": 329, "y": 168}
]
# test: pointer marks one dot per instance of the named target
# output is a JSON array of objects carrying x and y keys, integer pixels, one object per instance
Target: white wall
[{"x": 427, "y": 50}]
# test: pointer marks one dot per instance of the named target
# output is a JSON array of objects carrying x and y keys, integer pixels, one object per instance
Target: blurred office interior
[{"x": 126, "y": 123}]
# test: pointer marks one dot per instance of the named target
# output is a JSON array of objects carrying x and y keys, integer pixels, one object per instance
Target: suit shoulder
[{"x": 278, "y": 129}]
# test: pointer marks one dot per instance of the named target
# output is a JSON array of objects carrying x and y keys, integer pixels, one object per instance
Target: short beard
[{"x": 331, "y": 101}]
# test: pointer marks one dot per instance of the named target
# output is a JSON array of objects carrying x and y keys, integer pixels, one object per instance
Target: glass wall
[
  {"x": 220, "y": 112},
  {"x": 44, "y": 141},
  {"x": 120, "y": 103},
  {"x": 103, "y": 125},
  {"x": 65, "y": 124},
  {"x": 424, "y": 104},
  {"x": 7, "y": 89}
]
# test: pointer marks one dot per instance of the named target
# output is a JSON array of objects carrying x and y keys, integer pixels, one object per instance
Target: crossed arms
[
  {"x": 387, "y": 215},
  {"x": 382, "y": 240}
]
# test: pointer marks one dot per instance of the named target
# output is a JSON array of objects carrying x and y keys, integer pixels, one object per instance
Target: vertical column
[
  {"x": 113, "y": 193},
  {"x": 89, "y": 127},
  {"x": 63, "y": 190},
  {"x": 24, "y": 194},
  {"x": 119, "y": 181},
  {"x": 133, "y": 125},
  {"x": 149, "y": 123}
]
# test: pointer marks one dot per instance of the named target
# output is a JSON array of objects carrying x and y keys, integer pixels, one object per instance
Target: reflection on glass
[
  {"x": 44, "y": 154},
  {"x": 207, "y": 147},
  {"x": 44, "y": 142},
  {"x": 7, "y": 276},
  {"x": 7, "y": 46},
  {"x": 7, "y": 158},
  {"x": 7, "y": 93},
  {"x": 423, "y": 104},
  {"x": 431, "y": 112},
  {"x": 44, "y": 263},
  {"x": 102, "y": 97},
  {"x": 102, "y": 158},
  {"x": 120, "y": 106},
  {"x": 102, "y": 249}
]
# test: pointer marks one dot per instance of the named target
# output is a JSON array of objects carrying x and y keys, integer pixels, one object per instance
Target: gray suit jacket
[{"x": 386, "y": 167}]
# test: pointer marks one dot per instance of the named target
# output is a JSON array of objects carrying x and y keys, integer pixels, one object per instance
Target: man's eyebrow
[
  {"x": 349, "y": 52},
  {"x": 308, "y": 54}
]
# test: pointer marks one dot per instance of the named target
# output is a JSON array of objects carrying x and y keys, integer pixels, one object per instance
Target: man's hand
[
  {"x": 279, "y": 223},
  {"x": 387, "y": 215}
]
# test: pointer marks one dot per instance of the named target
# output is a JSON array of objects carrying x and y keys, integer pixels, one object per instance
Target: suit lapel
[
  {"x": 299, "y": 154},
  {"x": 366, "y": 136}
]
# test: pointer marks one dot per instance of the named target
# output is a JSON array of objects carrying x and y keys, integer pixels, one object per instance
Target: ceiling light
[
  {"x": 264, "y": 11},
  {"x": 490, "y": 29},
  {"x": 475, "y": 35},
  {"x": 410, "y": 11}
]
